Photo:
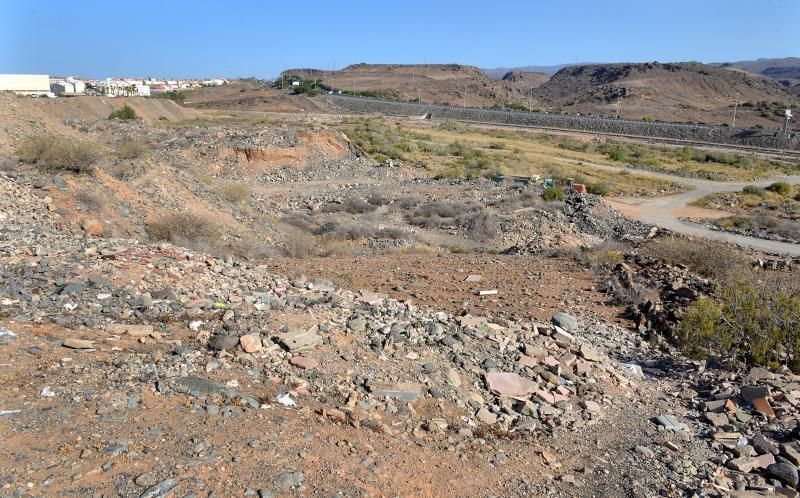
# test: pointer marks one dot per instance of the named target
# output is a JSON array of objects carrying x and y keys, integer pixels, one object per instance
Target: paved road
[{"x": 667, "y": 211}]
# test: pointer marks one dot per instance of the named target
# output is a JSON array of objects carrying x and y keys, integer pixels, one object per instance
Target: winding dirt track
[{"x": 667, "y": 211}]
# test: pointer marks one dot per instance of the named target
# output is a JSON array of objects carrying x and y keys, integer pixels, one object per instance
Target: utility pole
[
  {"x": 786, "y": 122},
  {"x": 465, "y": 95},
  {"x": 530, "y": 98},
  {"x": 354, "y": 87},
  {"x": 735, "y": 105},
  {"x": 618, "y": 100}
]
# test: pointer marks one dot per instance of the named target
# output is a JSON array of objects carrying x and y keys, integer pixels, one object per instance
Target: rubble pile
[
  {"x": 584, "y": 219},
  {"x": 658, "y": 293}
]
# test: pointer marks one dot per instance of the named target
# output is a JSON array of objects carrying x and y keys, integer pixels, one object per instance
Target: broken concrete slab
[
  {"x": 588, "y": 353},
  {"x": 486, "y": 416},
  {"x": 473, "y": 278},
  {"x": 509, "y": 384},
  {"x": 668, "y": 422},
  {"x": 561, "y": 335},
  {"x": 405, "y": 391},
  {"x": 299, "y": 340},
  {"x": 200, "y": 387},
  {"x": 78, "y": 343},
  {"x": 304, "y": 362},
  {"x": 716, "y": 419},
  {"x": 131, "y": 330}
]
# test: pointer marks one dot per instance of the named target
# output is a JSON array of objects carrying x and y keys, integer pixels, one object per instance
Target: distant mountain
[
  {"x": 436, "y": 83},
  {"x": 787, "y": 68},
  {"x": 683, "y": 91},
  {"x": 499, "y": 72}
]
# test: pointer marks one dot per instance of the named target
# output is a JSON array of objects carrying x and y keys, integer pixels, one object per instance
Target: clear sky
[{"x": 178, "y": 38}]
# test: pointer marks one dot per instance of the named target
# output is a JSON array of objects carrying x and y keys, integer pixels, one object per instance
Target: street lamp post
[{"x": 735, "y": 106}]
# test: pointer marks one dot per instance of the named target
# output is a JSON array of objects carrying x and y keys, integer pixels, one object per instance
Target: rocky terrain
[
  {"x": 438, "y": 83},
  {"x": 682, "y": 91},
  {"x": 382, "y": 333}
]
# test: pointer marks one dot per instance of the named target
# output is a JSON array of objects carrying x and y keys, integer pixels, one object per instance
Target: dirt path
[{"x": 667, "y": 211}]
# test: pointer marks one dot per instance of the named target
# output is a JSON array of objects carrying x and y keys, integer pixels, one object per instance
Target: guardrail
[{"x": 748, "y": 137}]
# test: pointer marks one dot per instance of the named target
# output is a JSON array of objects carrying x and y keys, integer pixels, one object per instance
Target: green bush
[
  {"x": 131, "y": 149},
  {"x": 125, "y": 112},
  {"x": 752, "y": 189},
  {"x": 781, "y": 188},
  {"x": 553, "y": 194},
  {"x": 54, "y": 153},
  {"x": 599, "y": 188},
  {"x": 745, "y": 325}
]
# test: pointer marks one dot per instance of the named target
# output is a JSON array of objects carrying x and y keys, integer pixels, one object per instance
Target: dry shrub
[
  {"x": 235, "y": 192},
  {"x": 300, "y": 220},
  {"x": 379, "y": 199},
  {"x": 470, "y": 217},
  {"x": 299, "y": 244},
  {"x": 713, "y": 260},
  {"x": 52, "y": 153},
  {"x": 88, "y": 200},
  {"x": 8, "y": 163},
  {"x": 185, "y": 229},
  {"x": 131, "y": 149},
  {"x": 603, "y": 256},
  {"x": 409, "y": 202},
  {"x": 352, "y": 205}
]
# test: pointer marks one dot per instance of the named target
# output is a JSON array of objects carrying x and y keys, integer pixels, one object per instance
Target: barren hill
[
  {"x": 677, "y": 91},
  {"x": 439, "y": 83},
  {"x": 780, "y": 69}
]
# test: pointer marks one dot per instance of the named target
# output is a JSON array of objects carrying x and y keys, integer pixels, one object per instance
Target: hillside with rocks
[
  {"x": 435, "y": 83},
  {"x": 691, "y": 92},
  {"x": 226, "y": 307}
]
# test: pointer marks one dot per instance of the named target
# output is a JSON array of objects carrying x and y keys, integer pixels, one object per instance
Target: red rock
[
  {"x": 92, "y": 226},
  {"x": 251, "y": 343},
  {"x": 762, "y": 405},
  {"x": 304, "y": 362},
  {"x": 509, "y": 384}
]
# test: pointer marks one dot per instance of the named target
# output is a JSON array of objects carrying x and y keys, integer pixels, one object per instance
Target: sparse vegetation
[
  {"x": 234, "y": 192},
  {"x": 781, "y": 188},
  {"x": 713, "y": 260},
  {"x": 184, "y": 228},
  {"x": 746, "y": 324},
  {"x": 88, "y": 200},
  {"x": 176, "y": 96},
  {"x": 553, "y": 194},
  {"x": 470, "y": 217},
  {"x": 52, "y": 153},
  {"x": 131, "y": 149},
  {"x": 125, "y": 112},
  {"x": 352, "y": 205},
  {"x": 8, "y": 163}
]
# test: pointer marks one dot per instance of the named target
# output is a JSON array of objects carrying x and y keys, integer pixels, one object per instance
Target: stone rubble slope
[{"x": 363, "y": 360}]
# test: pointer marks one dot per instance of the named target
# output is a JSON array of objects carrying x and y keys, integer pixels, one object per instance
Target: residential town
[{"x": 56, "y": 86}]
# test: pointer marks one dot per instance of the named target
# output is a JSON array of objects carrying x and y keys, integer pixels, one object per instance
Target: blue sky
[{"x": 178, "y": 38}]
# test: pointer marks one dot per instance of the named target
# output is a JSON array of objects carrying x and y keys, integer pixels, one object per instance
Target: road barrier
[{"x": 746, "y": 137}]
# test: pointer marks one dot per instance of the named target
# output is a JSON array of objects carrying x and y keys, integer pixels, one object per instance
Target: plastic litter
[
  {"x": 5, "y": 413},
  {"x": 4, "y": 332},
  {"x": 285, "y": 400},
  {"x": 195, "y": 325},
  {"x": 48, "y": 392}
]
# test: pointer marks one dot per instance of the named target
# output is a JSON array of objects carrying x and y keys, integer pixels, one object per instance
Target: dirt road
[{"x": 666, "y": 212}]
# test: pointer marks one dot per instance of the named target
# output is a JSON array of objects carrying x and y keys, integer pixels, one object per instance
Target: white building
[
  {"x": 124, "y": 88},
  {"x": 25, "y": 84},
  {"x": 67, "y": 86}
]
